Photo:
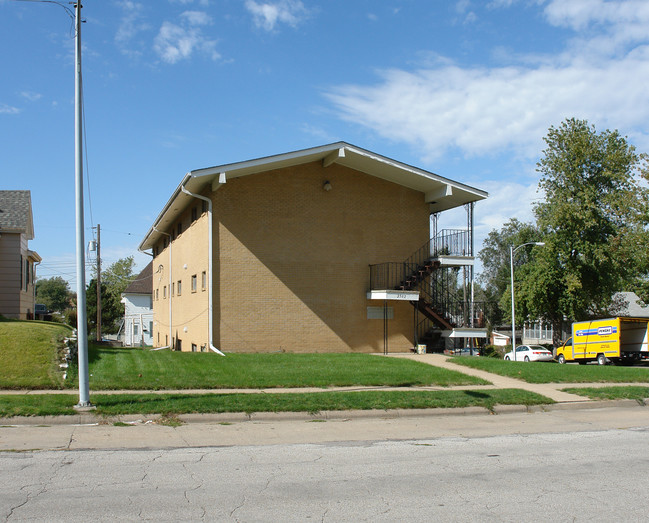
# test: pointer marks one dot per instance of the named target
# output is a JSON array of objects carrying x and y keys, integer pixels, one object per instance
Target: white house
[{"x": 138, "y": 310}]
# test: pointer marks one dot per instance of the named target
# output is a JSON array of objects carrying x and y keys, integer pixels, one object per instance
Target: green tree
[
  {"x": 593, "y": 221},
  {"x": 496, "y": 270},
  {"x": 114, "y": 281},
  {"x": 54, "y": 293}
]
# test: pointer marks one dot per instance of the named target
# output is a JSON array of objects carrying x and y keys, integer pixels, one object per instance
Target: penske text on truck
[{"x": 616, "y": 340}]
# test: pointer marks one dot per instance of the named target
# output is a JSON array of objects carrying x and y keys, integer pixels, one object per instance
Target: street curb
[{"x": 338, "y": 415}]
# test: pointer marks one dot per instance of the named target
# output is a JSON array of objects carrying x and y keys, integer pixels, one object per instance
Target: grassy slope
[
  {"x": 28, "y": 350},
  {"x": 548, "y": 372},
  {"x": 136, "y": 369}
]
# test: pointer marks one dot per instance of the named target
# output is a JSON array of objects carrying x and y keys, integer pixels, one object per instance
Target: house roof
[
  {"x": 629, "y": 304},
  {"x": 441, "y": 193},
  {"x": 143, "y": 284},
  {"x": 16, "y": 213}
]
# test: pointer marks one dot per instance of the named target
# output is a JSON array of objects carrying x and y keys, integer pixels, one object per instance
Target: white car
[{"x": 530, "y": 353}]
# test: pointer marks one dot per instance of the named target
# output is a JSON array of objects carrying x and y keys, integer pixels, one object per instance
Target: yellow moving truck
[{"x": 616, "y": 340}]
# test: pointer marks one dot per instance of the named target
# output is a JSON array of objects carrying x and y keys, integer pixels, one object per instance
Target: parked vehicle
[
  {"x": 530, "y": 353},
  {"x": 616, "y": 340}
]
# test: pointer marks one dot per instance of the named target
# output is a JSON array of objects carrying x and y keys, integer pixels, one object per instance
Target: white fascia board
[
  {"x": 168, "y": 211},
  {"x": 455, "y": 261},
  {"x": 389, "y": 294},
  {"x": 465, "y": 332},
  {"x": 333, "y": 157}
]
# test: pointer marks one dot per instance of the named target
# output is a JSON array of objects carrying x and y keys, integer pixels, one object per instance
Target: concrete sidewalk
[
  {"x": 89, "y": 431},
  {"x": 550, "y": 390}
]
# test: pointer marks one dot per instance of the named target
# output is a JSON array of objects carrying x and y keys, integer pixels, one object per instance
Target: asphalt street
[{"x": 551, "y": 475}]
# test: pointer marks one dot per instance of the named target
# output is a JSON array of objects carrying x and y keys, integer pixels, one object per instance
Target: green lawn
[
  {"x": 137, "y": 369},
  {"x": 28, "y": 350},
  {"x": 550, "y": 372},
  {"x": 611, "y": 393},
  {"x": 121, "y": 404}
]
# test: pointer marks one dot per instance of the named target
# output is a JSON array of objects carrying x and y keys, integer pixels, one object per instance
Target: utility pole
[
  {"x": 98, "y": 282},
  {"x": 82, "y": 313}
]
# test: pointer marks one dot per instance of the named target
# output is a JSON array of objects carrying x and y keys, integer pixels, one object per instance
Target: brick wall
[{"x": 292, "y": 260}]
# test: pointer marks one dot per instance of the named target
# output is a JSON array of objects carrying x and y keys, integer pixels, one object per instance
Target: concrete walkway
[{"x": 550, "y": 390}]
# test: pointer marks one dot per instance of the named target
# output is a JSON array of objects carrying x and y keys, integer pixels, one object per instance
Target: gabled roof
[
  {"x": 441, "y": 193},
  {"x": 143, "y": 284},
  {"x": 16, "y": 213}
]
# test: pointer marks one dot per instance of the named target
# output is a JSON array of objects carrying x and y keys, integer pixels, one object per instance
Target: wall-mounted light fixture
[{"x": 327, "y": 186}]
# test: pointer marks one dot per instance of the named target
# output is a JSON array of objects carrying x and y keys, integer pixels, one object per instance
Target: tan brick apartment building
[{"x": 274, "y": 254}]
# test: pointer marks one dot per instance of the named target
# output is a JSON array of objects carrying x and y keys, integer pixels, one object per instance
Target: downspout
[
  {"x": 210, "y": 260},
  {"x": 171, "y": 344}
]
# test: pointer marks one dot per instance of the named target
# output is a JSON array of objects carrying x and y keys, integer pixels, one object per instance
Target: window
[
  {"x": 135, "y": 330},
  {"x": 164, "y": 292},
  {"x": 204, "y": 206},
  {"x": 193, "y": 283},
  {"x": 194, "y": 347},
  {"x": 179, "y": 287},
  {"x": 173, "y": 234},
  {"x": 164, "y": 243},
  {"x": 204, "y": 280},
  {"x": 156, "y": 295},
  {"x": 173, "y": 288},
  {"x": 194, "y": 215},
  {"x": 180, "y": 228}
]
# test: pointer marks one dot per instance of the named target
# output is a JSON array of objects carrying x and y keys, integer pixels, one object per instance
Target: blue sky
[{"x": 466, "y": 89}]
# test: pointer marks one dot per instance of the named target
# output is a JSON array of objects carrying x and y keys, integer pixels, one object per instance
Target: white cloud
[
  {"x": 8, "y": 109},
  {"x": 32, "y": 97},
  {"x": 130, "y": 26},
  {"x": 479, "y": 110},
  {"x": 176, "y": 42},
  {"x": 267, "y": 15}
]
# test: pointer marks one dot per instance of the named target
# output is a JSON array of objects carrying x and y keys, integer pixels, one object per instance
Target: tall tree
[
  {"x": 114, "y": 281},
  {"x": 495, "y": 277},
  {"x": 593, "y": 222},
  {"x": 54, "y": 293}
]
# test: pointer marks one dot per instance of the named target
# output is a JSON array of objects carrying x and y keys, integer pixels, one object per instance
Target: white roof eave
[{"x": 454, "y": 194}]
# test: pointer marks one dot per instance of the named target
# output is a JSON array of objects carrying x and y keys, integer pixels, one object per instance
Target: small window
[
  {"x": 180, "y": 228},
  {"x": 193, "y": 283},
  {"x": 173, "y": 288},
  {"x": 173, "y": 234},
  {"x": 135, "y": 330},
  {"x": 164, "y": 292},
  {"x": 180, "y": 286},
  {"x": 203, "y": 280},
  {"x": 164, "y": 242},
  {"x": 194, "y": 214},
  {"x": 194, "y": 347},
  {"x": 156, "y": 295},
  {"x": 204, "y": 206}
]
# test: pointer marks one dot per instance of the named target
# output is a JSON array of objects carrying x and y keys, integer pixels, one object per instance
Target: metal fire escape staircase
[{"x": 428, "y": 273}]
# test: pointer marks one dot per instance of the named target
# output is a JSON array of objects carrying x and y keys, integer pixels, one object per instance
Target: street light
[{"x": 512, "y": 250}]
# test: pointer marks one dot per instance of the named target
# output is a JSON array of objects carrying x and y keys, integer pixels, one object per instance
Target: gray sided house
[
  {"x": 138, "y": 310},
  {"x": 17, "y": 262}
]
